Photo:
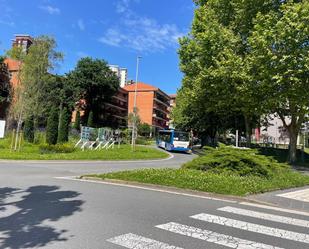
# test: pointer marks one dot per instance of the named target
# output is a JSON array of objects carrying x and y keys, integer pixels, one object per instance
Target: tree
[
  {"x": 214, "y": 58},
  {"x": 63, "y": 128},
  {"x": 77, "y": 121},
  {"x": 280, "y": 65},
  {"x": 52, "y": 126},
  {"x": 17, "y": 106},
  {"x": 90, "y": 122},
  {"x": 35, "y": 76},
  {"x": 95, "y": 83},
  {"x": 5, "y": 88},
  {"x": 29, "y": 130}
]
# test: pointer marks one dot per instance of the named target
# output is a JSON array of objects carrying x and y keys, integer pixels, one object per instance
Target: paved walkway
[{"x": 296, "y": 198}]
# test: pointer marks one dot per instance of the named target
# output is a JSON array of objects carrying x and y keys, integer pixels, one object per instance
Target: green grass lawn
[
  {"x": 32, "y": 152},
  {"x": 223, "y": 171},
  {"x": 228, "y": 184}
]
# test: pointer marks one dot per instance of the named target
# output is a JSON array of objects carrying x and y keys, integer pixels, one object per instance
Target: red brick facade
[{"x": 152, "y": 104}]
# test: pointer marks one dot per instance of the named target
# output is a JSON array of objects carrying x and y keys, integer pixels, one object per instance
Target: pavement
[{"x": 42, "y": 205}]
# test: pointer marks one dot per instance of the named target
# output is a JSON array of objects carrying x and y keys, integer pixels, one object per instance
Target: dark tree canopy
[
  {"x": 95, "y": 83},
  {"x": 5, "y": 88}
]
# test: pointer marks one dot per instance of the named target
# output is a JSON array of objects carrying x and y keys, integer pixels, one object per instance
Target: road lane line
[
  {"x": 213, "y": 237},
  {"x": 134, "y": 241},
  {"x": 265, "y": 216},
  {"x": 251, "y": 227},
  {"x": 145, "y": 188},
  {"x": 275, "y": 208},
  {"x": 300, "y": 195}
]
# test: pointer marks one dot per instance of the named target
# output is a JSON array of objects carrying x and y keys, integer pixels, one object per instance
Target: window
[{"x": 181, "y": 136}]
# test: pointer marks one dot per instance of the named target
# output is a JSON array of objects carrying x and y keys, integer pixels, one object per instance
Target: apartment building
[
  {"x": 172, "y": 105},
  {"x": 24, "y": 42},
  {"x": 122, "y": 74},
  {"x": 152, "y": 104},
  {"x": 116, "y": 110}
]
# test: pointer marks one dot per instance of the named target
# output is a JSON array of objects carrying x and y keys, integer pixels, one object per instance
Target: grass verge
[
  {"x": 228, "y": 184},
  {"x": 222, "y": 171},
  {"x": 35, "y": 152}
]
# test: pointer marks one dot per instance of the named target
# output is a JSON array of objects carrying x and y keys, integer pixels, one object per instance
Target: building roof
[
  {"x": 144, "y": 87},
  {"x": 173, "y": 96},
  {"x": 13, "y": 65},
  {"x": 140, "y": 87}
]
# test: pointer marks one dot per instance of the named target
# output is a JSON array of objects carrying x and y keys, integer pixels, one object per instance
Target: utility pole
[{"x": 134, "y": 125}]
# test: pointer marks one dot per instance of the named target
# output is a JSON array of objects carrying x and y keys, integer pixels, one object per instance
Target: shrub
[
  {"x": 29, "y": 130},
  {"x": 63, "y": 131},
  {"x": 39, "y": 137},
  {"x": 76, "y": 125},
  {"x": 143, "y": 141},
  {"x": 52, "y": 126},
  {"x": 236, "y": 161},
  {"x": 90, "y": 122},
  {"x": 58, "y": 148}
]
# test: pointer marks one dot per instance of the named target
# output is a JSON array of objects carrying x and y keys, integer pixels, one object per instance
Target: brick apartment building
[
  {"x": 152, "y": 104},
  {"x": 172, "y": 105},
  {"x": 24, "y": 42},
  {"x": 13, "y": 66},
  {"x": 117, "y": 109}
]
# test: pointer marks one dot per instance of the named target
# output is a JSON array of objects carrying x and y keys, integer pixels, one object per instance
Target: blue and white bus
[{"x": 172, "y": 140}]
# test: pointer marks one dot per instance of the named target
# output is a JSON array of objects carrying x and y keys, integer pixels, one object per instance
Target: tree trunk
[
  {"x": 248, "y": 131},
  {"x": 293, "y": 133}
]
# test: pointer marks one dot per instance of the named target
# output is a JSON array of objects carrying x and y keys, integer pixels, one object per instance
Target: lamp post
[{"x": 134, "y": 128}]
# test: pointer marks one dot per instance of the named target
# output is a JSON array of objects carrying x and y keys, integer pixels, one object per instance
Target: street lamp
[{"x": 134, "y": 106}]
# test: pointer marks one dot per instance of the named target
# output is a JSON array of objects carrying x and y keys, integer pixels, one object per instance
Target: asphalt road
[{"x": 39, "y": 209}]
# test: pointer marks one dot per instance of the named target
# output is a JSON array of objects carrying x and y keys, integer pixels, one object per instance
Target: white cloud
[
  {"x": 139, "y": 33},
  {"x": 7, "y": 15},
  {"x": 8, "y": 23},
  {"x": 81, "y": 25},
  {"x": 50, "y": 9},
  {"x": 82, "y": 54},
  {"x": 124, "y": 5}
]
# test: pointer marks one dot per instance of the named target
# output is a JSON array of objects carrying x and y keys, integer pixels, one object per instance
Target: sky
[{"x": 114, "y": 30}]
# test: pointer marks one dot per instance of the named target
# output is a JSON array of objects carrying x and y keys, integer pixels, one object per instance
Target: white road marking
[
  {"x": 300, "y": 195},
  {"x": 144, "y": 188},
  {"x": 266, "y": 216},
  {"x": 134, "y": 241},
  {"x": 251, "y": 227},
  {"x": 275, "y": 208},
  {"x": 213, "y": 237}
]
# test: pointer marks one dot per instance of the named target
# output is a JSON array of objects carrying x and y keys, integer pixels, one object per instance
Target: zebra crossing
[{"x": 212, "y": 237}]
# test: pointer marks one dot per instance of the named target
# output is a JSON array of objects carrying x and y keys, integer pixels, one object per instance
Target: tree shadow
[{"x": 26, "y": 227}]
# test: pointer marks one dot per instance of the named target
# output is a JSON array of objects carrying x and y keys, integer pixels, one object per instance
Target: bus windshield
[{"x": 181, "y": 136}]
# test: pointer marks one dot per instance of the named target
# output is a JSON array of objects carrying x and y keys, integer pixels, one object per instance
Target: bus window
[{"x": 181, "y": 136}]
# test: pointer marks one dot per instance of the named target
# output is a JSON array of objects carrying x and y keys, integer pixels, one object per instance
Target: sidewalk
[{"x": 296, "y": 198}]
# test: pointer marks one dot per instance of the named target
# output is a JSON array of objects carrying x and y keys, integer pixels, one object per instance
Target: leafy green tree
[
  {"x": 52, "y": 126},
  {"x": 95, "y": 83},
  {"x": 29, "y": 130},
  {"x": 214, "y": 59},
  {"x": 16, "y": 112},
  {"x": 90, "y": 122},
  {"x": 63, "y": 128},
  {"x": 280, "y": 63},
  {"x": 40, "y": 60},
  {"x": 77, "y": 121}
]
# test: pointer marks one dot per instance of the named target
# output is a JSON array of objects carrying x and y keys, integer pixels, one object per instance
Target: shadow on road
[{"x": 23, "y": 222}]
